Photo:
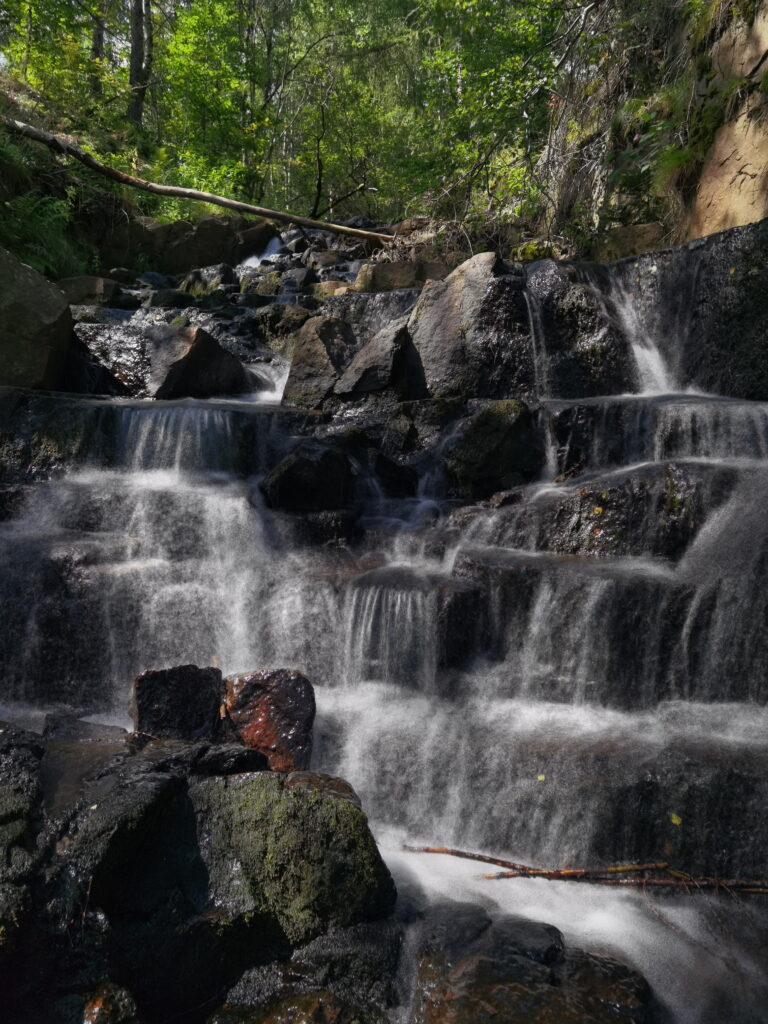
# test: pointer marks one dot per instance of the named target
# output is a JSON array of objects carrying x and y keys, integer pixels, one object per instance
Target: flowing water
[{"x": 487, "y": 686}]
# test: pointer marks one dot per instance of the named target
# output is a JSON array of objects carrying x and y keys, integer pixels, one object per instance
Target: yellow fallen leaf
[
  {"x": 675, "y": 818},
  {"x": 597, "y": 510},
  {"x": 540, "y": 778},
  {"x": 731, "y": 270}
]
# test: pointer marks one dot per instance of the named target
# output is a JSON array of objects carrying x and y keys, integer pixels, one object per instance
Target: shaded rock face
[
  {"x": 179, "y": 246},
  {"x": 472, "y": 970},
  {"x": 274, "y": 713},
  {"x": 35, "y": 327},
  {"x": 313, "y": 478},
  {"x": 387, "y": 360},
  {"x": 89, "y": 290},
  {"x": 164, "y": 362},
  {"x": 705, "y": 304},
  {"x": 497, "y": 449},
  {"x": 177, "y": 703},
  {"x": 580, "y": 353}
]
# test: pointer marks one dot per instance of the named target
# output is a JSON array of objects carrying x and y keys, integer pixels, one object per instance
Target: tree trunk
[
  {"x": 141, "y": 58},
  {"x": 98, "y": 32}
]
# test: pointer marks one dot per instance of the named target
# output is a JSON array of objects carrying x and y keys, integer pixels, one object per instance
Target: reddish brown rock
[
  {"x": 110, "y": 1004},
  {"x": 273, "y": 712}
]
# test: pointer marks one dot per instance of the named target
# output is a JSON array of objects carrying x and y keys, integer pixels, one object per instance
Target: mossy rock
[
  {"x": 536, "y": 249},
  {"x": 302, "y": 855},
  {"x": 497, "y": 449}
]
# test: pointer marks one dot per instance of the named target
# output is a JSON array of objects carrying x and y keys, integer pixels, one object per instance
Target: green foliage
[
  {"x": 34, "y": 228},
  {"x": 379, "y": 109}
]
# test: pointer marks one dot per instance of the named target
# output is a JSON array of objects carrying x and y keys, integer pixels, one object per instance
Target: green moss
[{"x": 305, "y": 857}]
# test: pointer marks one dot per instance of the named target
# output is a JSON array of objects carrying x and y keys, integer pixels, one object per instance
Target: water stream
[{"x": 492, "y": 691}]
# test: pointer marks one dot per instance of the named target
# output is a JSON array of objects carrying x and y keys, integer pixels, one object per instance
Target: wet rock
[
  {"x": 581, "y": 353},
  {"x": 323, "y": 350},
  {"x": 517, "y": 970},
  {"x": 497, "y": 449},
  {"x": 471, "y": 332},
  {"x": 323, "y": 783},
  {"x": 306, "y": 857},
  {"x": 20, "y": 757},
  {"x": 165, "y": 362},
  {"x": 110, "y": 1004},
  {"x": 273, "y": 712},
  {"x": 35, "y": 327},
  {"x": 177, "y": 703},
  {"x": 313, "y": 478},
  {"x": 299, "y": 279},
  {"x": 229, "y": 759},
  {"x": 88, "y": 290},
  {"x": 320, "y": 1007},
  {"x": 385, "y": 277}
]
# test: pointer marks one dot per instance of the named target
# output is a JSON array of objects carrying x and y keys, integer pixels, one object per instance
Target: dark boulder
[
  {"x": 472, "y": 969},
  {"x": 313, "y": 478},
  {"x": 317, "y": 1007},
  {"x": 177, "y": 703},
  {"x": 580, "y": 351},
  {"x": 273, "y": 712},
  {"x": 35, "y": 327},
  {"x": 497, "y": 449}
]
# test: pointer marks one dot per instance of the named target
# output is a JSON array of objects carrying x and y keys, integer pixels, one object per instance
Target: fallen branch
[
  {"x": 673, "y": 879},
  {"x": 522, "y": 868},
  {"x": 60, "y": 145}
]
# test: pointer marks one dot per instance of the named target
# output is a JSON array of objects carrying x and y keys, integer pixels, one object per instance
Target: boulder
[
  {"x": 387, "y": 277},
  {"x": 323, "y": 350},
  {"x": 471, "y": 332},
  {"x": 387, "y": 360},
  {"x": 110, "y": 1004},
  {"x": 87, "y": 290},
  {"x": 306, "y": 858},
  {"x": 177, "y": 703},
  {"x": 580, "y": 351},
  {"x": 204, "y": 280},
  {"x": 164, "y": 362},
  {"x": 313, "y": 478},
  {"x": 274, "y": 713},
  {"x": 35, "y": 327},
  {"x": 497, "y": 448}
]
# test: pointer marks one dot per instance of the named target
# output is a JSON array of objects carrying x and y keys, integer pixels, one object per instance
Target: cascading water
[{"x": 505, "y": 690}]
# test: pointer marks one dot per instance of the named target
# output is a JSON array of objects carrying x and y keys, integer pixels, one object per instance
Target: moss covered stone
[{"x": 297, "y": 853}]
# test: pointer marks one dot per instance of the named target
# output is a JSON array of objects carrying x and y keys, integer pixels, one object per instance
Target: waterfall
[{"x": 579, "y": 677}]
